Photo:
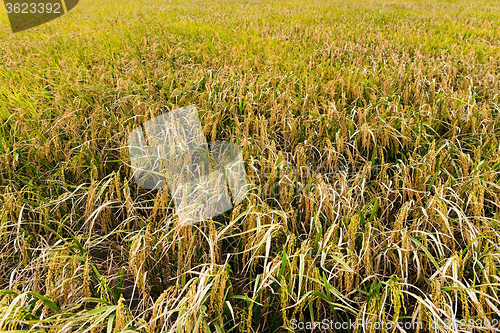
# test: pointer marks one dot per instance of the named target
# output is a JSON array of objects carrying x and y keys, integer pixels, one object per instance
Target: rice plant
[{"x": 370, "y": 132}]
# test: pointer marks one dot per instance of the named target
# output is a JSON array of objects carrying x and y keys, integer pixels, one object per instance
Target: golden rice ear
[
  {"x": 123, "y": 315},
  {"x": 138, "y": 254}
]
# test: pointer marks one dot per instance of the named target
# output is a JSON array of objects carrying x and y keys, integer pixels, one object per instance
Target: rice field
[{"x": 370, "y": 133}]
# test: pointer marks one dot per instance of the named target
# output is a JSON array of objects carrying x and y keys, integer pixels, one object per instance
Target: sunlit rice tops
[{"x": 370, "y": 132}]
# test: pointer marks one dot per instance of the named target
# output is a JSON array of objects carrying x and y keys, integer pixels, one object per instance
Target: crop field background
[{"x": 370, "y": 133}]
